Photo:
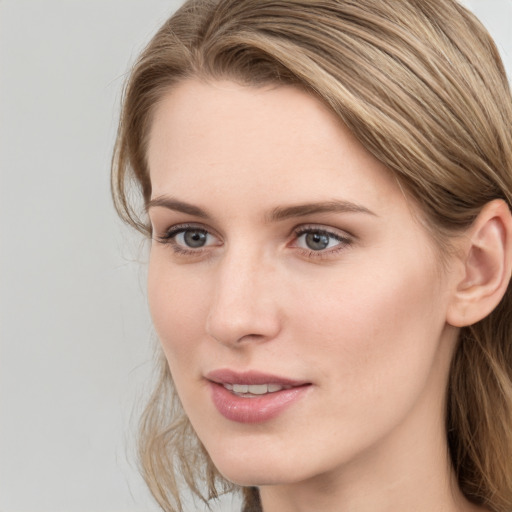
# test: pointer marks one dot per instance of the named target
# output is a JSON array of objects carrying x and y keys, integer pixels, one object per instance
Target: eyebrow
[
  {"x": 179, "y": 206},
  {"x": 301, "y": 210},
  {"x": 279, "y": 213}
]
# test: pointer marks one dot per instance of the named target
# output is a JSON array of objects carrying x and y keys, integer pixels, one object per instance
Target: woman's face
[{"x": 299, "y": 302}]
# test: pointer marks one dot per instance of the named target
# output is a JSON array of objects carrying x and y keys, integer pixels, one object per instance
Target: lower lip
[{"x": 254, "y": 410}]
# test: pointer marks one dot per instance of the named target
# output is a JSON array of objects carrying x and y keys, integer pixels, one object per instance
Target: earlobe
[{"x": 486, "y": 258}]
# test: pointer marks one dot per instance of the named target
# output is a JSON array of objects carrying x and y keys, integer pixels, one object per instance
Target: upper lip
[{"x": 227, "y": 376}]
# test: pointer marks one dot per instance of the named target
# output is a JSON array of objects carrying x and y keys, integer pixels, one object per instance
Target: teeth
[
  {"x": 240, "y": 388},
  {"x": 254, "y": 389},
  {"x": 260, "y": 389}
]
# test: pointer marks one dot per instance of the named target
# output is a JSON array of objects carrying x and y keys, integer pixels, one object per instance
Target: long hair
[{"x": 422, "y": 87}]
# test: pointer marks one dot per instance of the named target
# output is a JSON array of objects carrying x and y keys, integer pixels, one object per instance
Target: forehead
[{"x": 242, "y": 140}]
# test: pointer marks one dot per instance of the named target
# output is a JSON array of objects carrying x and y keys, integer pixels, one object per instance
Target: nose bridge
[{"x": 243, "y": 305}]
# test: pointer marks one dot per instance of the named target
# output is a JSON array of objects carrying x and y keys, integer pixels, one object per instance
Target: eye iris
[
  {"x": 317, "y": 241},
  {"x": 194, "y": 238}
]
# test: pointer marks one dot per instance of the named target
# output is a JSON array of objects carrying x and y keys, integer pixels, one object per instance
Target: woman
[{"x": 327, "y": 188}]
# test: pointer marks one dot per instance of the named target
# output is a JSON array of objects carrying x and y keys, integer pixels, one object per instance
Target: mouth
[
  {"x": 252, "y": 382},
  {"x": 253, "y": 397},
  {"x": 254, "y": 390}
]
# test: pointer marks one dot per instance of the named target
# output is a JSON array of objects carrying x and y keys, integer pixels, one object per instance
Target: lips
[{"x": 253, "y": 397}]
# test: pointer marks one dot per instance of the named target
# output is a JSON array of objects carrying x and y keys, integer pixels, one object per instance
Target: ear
[{"x": 486, "y": 260}]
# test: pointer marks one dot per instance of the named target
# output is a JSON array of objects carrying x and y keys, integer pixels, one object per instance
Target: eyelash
[
  {"x": 169, "y": 238},
  {"x": 344, "y": 241}
]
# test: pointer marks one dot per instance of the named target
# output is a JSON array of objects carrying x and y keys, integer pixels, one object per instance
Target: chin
[
  {"x": 258, "y": 467},
  {"x": 256, "y": 477}
]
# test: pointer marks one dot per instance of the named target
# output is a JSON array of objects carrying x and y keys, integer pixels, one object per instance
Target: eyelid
[
  {"x": 344, "y": 238},
  {"x": 330, "y": 230},
  {"x": 171, "y": 231},
  {"x": 169, "y": 237}
]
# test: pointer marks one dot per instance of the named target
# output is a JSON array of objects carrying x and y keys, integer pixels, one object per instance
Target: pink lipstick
[{"x": 253, "y": 397}]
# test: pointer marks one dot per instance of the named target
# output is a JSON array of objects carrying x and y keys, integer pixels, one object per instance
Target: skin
[{"x": 364, "y": 320}]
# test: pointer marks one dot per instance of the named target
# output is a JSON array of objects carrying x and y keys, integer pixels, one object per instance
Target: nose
[{"x": 245, "y": 306}]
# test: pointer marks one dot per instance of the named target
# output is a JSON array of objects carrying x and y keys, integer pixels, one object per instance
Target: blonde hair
[{"x": 421, "y": 85}]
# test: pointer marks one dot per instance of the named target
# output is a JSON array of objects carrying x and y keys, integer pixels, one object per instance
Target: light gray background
[{"x": 75, "y": 337}]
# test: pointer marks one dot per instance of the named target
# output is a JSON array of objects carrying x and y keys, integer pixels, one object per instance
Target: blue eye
[
  {"x": 319, "y": 240},
  {"x": 193, "y": 238},
  {"x": 185, "y": 238}
]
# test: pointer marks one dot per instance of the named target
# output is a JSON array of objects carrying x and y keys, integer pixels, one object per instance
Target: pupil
[
  {"x": 317, "y": 241},
  {"x": 195, "y": 238}
]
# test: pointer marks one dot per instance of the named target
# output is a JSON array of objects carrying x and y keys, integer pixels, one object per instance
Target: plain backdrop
[{"x": 76, "y": 343}]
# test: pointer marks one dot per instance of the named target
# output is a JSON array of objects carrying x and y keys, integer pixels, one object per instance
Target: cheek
[
  {"x": 375, "y": 330},
  {"x": 178, "y": 308}
]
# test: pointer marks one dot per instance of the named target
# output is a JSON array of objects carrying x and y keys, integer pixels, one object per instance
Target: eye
[
  {"x": 193, "y": 238},
  {"x": 188, "y": 239},
  {"x": 320, "y": 240}
]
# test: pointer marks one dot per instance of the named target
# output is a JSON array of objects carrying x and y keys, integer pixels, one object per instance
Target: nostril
[{"x": 227, "y": 339}]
